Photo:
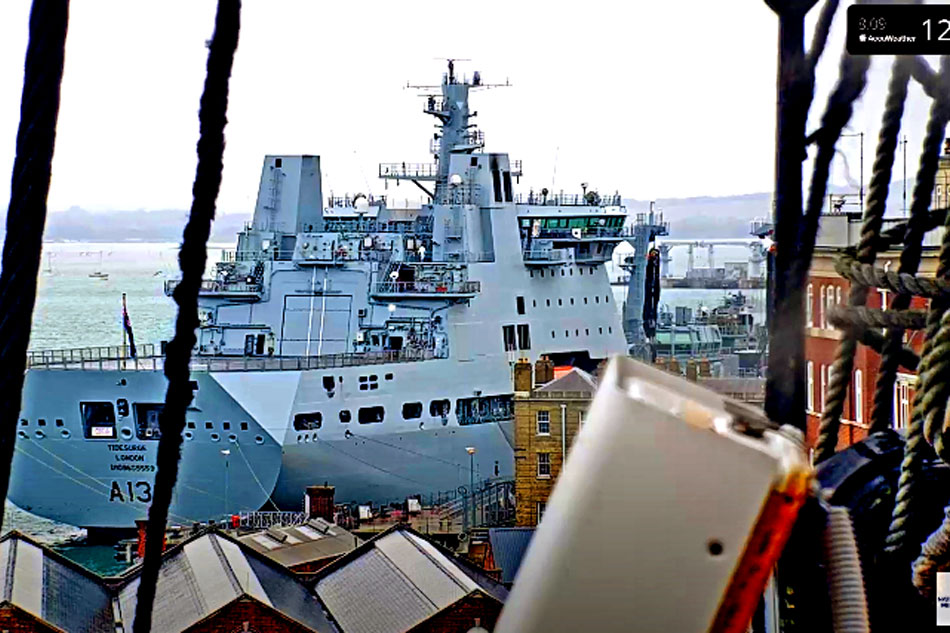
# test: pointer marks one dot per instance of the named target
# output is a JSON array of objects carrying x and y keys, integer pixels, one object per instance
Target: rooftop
[
  {"x": 290, "y": 546},
  {"x": 410, "y": 578}
]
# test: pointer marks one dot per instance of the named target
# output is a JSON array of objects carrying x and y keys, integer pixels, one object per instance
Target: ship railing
[
  {"x": 585, "y": 232},
  {"x": 473, "y": 138},
  {"x": 468, "y": 258},
  {"x": 218, "y": 286},
  {"x": 459, "y": 194},
  {"x": 515, "y": 167},
  {"x": 262, "y": 520},
  {"x": 409, "y": 170},
  {"x": 40, "y": 358},
  {"x": 428, "y": 287},
  {"x": 554, "y": 255},
  {"x": 569, "y": 199},
  {"x": 155, "y": 362},
  {"x": 349, "y": 202}
]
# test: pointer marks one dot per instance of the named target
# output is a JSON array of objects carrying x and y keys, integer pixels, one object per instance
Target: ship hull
[
  {"x": 103, "y": 482},
  {"x": 393, "y": 466}
]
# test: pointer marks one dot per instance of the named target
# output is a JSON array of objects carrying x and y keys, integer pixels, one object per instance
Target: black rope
[
  {"x": 192, "y": 259},
  {"x": 26, "y": 215},
  {"x": 866, "y": 255},
  {"x": 916, "y": 450}
]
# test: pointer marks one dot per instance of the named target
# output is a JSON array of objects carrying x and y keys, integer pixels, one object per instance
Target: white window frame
[
  {"x": 821, "y": 309},
  {"x": 809, "y": 305},
  {"x": 838, "y": 295},
  {"x": 824, "y": 384},
  {"x": 858, "y": 396},
  {"x": 831, "y": 303},
  {"x": 543, "y": 417},
  {"x": 542, "y": 463},
  {"x": 810, "y": 383}
]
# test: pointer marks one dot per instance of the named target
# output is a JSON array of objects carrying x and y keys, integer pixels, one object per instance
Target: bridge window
[
  {"x": 508, "y": 334},
  {"x": 147, "y": 420},
  {"x": 519, "y": 304},
  {"x": 308, "y": 421},
  {"x": 98, "y": 420},
  {"x": 371, "y": 415},
  {"x": 524, "y": 336},
  {"x": 411, "y": 410}
]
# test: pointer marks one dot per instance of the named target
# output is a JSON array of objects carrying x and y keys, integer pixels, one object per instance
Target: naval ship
[{"x": 343, "y": 341}]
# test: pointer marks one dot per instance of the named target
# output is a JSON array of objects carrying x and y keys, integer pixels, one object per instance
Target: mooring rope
[
  {"x": 192, "y": 259},
  {"x": 26, "y": 215}
]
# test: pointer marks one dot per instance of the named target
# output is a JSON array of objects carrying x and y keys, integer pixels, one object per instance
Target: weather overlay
[{"x": 898, "y": 29}]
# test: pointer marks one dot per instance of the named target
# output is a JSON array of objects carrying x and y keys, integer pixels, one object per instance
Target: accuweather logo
[
  {"x": 943, "y": 598},
  {"x": 887, "y": 39}
]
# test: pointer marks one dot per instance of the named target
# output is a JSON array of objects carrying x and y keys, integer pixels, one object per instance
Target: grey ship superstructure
[{"x": 349, "y": 342}]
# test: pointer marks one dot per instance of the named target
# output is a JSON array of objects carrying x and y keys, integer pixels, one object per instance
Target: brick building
[
  {"x": 548, "y": 415},
  {"x": 827, "y": 289}
]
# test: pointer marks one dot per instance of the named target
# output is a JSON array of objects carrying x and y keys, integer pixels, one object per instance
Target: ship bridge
[{"x": 570, "y": 228}]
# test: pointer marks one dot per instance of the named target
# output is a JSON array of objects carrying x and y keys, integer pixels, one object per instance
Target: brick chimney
[{"x": 319, "y": 502}]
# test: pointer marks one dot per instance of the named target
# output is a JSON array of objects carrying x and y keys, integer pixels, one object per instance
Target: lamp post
[
  {"x": 860, "y": 136},
  {"x": 226, "y": 452},
  {"x": 471, "y": 473}
]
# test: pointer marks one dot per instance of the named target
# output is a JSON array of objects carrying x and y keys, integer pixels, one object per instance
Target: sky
[{"x": 663, "y": 99}]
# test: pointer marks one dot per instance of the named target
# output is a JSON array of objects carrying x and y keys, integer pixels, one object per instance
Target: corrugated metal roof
[
  {"x": 210, "y": 571},
  {"x": 316, "y": 540},
  {"x": 52, "y": 588},
  {"x": 396, "y": 581},
  {"x": 508, "y": 546}
]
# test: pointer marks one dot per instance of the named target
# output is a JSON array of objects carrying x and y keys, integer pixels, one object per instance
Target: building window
[
  {"x": 821, "y": 308},
  {"x": 810, "y": 385},
  {"x": 544, "y": 422},
  {"x": 824, "y": 384},
  {"x": 544, "y": 465},
  {"x": 838, "y": 295},
  {"x": 541, "y": 508},
  {"x": 858, "y": 397},
  {"x": 831, "y": 303},
  {"x": 901, "y": 405},
  {"x": 508, "y": 334},
  {"x": 809, "y": 305},
  {"x": 524, "y": 336}
]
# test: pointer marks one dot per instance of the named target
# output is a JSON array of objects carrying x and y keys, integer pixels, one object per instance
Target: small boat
[{"x": 98, "y": 274}]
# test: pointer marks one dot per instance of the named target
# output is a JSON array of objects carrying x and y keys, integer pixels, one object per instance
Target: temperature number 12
[{"x": 943, "y": 36}]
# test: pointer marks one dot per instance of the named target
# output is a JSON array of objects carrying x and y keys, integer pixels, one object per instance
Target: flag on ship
[{"x": 127, "y": 324}]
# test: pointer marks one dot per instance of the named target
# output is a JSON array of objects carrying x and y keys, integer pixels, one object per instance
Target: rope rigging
[
  {"x": 192, "y": 259},
  {"x": 26, "y": 215}
]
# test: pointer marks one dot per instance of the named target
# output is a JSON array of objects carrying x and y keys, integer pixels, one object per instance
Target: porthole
[
  {"x": 232, "y": 438},
  {"x": 215, "y": 437},
  {"x": 189, "y": 435},
  {"x": 39, "y": 434},
  {"x": 258, "y": 439},
  {"x": 24, "y": 423},
  {"x": 65, "y": 434},
  {"x": 126, "y": 433},
  {"x": 23, "y": 435},
  {"x": 299, "y": 439}
]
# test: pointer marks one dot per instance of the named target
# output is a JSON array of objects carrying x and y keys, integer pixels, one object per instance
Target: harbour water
[{"x": 76, "y": 310}]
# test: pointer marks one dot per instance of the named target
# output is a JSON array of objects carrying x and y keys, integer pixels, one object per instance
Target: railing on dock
[{"x": 260, "y": 520}]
